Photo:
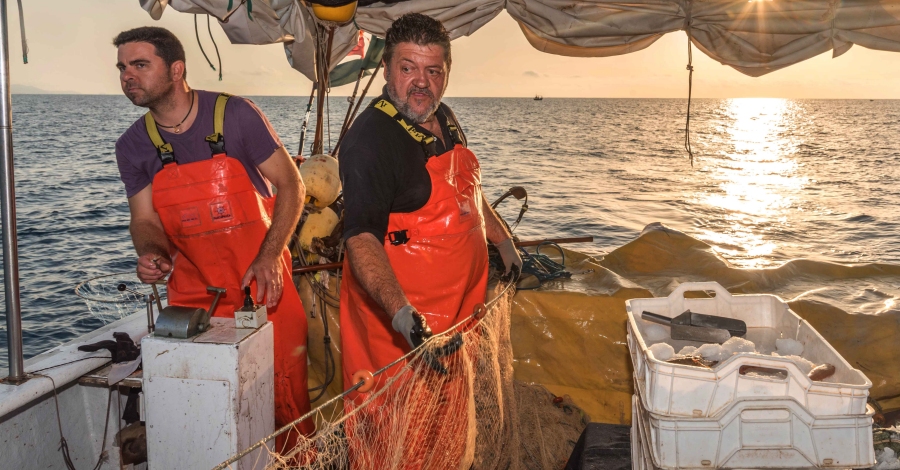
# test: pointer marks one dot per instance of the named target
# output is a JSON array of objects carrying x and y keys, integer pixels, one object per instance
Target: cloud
[{"x": 529, "y": 73}]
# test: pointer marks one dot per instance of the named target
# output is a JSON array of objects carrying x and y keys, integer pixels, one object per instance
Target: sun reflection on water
[{"x": 756, "y": 179}]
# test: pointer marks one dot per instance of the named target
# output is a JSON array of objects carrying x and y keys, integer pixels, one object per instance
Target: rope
[
  {"x": 63, "y": 444},
  {"x": 542, "y": 267},
  {"x": 209, "y": 28},
  {"x": 690, "y": 69},
  {"x": 306, "y": 119},
  {"x": 103, "y": 455},
  {"x": 356, "y": 109},
  {"x": 328, "y": 115},
  {"x": 421, "y": 349},
  {"x": 22, "y": 30},
  {"x": 197, "y": 34},
  {"x": 350, "y": 101},
  {"x": 330, "y": 368}
]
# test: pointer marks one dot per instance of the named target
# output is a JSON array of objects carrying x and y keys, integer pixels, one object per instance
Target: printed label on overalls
[
  {"x": 190, "y": 217},
  {"x": 220, "y": 210},
  {"x": 465, "y": 208}
]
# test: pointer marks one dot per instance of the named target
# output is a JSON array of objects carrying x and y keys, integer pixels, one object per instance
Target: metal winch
[{"x": 184, "y": 322}]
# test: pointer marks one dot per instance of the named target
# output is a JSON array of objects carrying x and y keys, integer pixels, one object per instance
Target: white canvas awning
[{"x": 754, "y": 37}]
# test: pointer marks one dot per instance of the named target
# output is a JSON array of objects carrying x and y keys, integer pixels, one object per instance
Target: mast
[{"x": 8, "y": 212}]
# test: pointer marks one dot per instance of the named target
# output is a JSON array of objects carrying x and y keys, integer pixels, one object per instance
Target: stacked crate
[{"x": 733, "y": 417}]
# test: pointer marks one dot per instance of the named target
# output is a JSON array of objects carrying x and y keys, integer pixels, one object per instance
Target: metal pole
[{"x": 8, "y": 213}]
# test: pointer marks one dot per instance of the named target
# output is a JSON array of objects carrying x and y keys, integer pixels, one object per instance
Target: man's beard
[
  {"x": 404, "y": 107},
  {"x": 153, "y": 97}
]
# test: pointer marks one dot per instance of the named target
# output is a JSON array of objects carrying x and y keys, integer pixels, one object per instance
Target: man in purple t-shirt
[
  {"x": 185, "y": 117},
  {"x": 194, "y": 212}
]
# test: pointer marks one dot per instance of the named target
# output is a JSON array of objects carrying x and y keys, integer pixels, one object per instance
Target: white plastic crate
[
  {"x": 681, "y": 390},
  {"x": 640, "y": 450},
  {"x": 762, "y": 433}
]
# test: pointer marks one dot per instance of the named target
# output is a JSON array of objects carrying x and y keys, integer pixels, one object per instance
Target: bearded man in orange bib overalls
[
  {"x": 416, "y": 227},
  {"x": 197, "y": 170}
]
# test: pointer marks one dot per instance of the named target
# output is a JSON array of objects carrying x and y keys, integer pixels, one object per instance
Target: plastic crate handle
[{"x": 679, "y": 291}]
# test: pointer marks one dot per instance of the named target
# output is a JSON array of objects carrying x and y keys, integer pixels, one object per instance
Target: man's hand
[
  {"x": 268, "y": 274},
  {"x": 510, "y": 255},
  {"x": 281, "y": 171},
  {"x": 149, "y": 238},
  {"x": 152, "y": 267},
  {"x": 412, "y": 325}
]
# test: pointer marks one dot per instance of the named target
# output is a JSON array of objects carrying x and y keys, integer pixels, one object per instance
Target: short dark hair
[
  {"x": 168, "y": 47},
  {"x": 416, "y": 28}
]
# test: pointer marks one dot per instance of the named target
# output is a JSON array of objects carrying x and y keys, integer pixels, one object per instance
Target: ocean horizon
[{"x": 773, "y": 180}]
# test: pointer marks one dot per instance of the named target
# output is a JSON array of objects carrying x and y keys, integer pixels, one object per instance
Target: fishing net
[
  {"x": 108, "y": 301},
  {"x": 549, "y": 426},
  {"x": 451, "y": 403}
]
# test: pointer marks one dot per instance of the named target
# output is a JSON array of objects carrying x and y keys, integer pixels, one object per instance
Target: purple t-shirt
[{"x": 248, "y": 137}]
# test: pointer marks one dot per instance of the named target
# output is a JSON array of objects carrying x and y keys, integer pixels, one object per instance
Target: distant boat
[{"x": 538, "y": 98}]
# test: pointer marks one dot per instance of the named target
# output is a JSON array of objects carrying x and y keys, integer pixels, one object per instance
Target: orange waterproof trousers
[
  {"x": 443, "y": 270},
  {"x": 215, "y": 218}
]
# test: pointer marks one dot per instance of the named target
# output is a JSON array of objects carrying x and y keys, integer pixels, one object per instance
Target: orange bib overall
[
  {"x": 439, "y": 255},
  {"x": 217, "y": 220}
]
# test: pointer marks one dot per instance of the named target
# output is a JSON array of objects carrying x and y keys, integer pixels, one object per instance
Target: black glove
[
  {"x": 122, "y": 349},
  {"x": 510, "y": 255},
  {"x": 412, "y": 325}
]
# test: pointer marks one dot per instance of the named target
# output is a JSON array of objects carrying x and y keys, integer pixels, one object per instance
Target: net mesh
[
  {"x": 105, "y": 301},
  {"x": 451, "y": 403}
]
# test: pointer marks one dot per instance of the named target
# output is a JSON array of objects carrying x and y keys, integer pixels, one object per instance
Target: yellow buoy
[
  {"x": 322, "y": 179},
  {"x": 339, "y": 14},
  {"x": 317, "y": 225}
]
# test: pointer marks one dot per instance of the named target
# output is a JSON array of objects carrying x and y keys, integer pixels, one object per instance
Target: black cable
[
  {"x": 209, "y": 28},
  {"x": 197, "y": 34},
  {"x": 329, "y": 358},
  {"x": 321, "y": 292},
  {"x": 562, "y": 253}
]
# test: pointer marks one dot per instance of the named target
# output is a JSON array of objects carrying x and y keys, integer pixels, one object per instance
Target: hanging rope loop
[
  {"x": 200, "y": 44},
  {"x": 688, "y": 20}
]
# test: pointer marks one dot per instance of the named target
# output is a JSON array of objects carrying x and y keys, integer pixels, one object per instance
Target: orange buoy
[
  {"x": 480, "y": 311},
  {"x": 366, "y": 378}
]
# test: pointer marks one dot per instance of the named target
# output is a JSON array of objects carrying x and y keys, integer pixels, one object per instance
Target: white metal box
[
  {"x": 209, "y": 397},
  {"x": 760, "y": 433},
  {"x": 681, "y": 390}
]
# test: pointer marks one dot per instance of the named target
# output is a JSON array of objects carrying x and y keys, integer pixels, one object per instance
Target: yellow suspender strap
[
  {"x": 163, "y": 149},
  {"x": 390, "y": 110},
  {"x": 216, "y": 139}
]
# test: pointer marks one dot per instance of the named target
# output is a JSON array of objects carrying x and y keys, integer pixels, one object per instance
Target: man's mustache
[{"x": 425, "y": 91}]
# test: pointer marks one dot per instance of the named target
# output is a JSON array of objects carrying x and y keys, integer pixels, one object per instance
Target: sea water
[{"x": 772, "y": 181}]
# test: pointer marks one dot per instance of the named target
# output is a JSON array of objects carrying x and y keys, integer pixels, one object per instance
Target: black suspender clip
[{"x": 400, "y": 237}]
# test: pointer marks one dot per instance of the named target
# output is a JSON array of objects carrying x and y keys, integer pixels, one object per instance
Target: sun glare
[{"x": 756, "y": 176}]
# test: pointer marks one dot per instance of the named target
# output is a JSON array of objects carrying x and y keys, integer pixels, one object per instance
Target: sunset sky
[{"x": 71, "y": 51}]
